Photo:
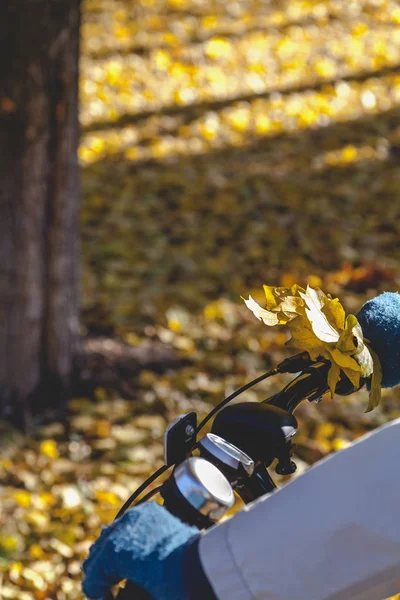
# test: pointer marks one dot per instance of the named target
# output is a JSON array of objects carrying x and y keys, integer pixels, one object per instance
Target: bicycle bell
[{"x": 197, "y": 492}]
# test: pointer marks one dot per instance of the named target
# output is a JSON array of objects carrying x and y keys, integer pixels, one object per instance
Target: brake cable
[{"x": 164, "y": 468}]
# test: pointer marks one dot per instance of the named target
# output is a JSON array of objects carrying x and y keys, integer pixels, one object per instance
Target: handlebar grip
[{"x": 132, "y": 591}]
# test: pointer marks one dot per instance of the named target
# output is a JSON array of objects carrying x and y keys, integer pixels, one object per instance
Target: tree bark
[{"x": 39, "y": 205}]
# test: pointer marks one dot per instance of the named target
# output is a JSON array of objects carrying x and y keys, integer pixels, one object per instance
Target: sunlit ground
[{"x": 224, "y": 145}]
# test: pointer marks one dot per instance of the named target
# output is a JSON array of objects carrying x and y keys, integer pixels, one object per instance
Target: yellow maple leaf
[
  {"x": 334, "y": 312},
  {"x": 376, "y": 383},
  {"x": 318, "y": 324},
  {"x": 267, "y": 316},
  {"x": 346, "y": 342},
  {"x": 315, "y": 301},
  {"x": 304, "y": 338},
  {"x": 333, "y": 377}
]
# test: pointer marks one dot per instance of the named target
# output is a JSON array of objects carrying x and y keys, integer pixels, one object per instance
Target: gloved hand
[
  {"x": 146, "y": 545},
  {"x": 380, "y": 321}
]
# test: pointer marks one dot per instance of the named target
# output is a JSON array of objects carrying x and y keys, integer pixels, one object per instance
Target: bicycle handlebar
[{"x": 310, "y": 384}]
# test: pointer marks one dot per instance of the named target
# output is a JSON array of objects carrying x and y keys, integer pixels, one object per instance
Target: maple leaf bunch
[{"x": 318, "y": 324}]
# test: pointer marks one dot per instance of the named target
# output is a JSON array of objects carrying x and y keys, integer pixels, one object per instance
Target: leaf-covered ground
[{"x": 224, "y": 145}]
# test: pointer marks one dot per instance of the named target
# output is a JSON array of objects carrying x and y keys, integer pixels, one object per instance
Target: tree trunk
[{"x": 39, "y": 205}]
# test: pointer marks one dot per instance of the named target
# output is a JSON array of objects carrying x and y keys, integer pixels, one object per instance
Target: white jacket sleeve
[{"x": 331, "y": 534}]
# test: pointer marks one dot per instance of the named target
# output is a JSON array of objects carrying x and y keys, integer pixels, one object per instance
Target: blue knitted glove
[
  {"x": 146, "y": 546},
  {"x": 380, "y": 321}
]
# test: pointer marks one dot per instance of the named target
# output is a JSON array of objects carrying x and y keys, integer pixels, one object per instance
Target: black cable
[
  {"x": 232, "y": 396},
  {"x": 140, "y": 489},
  {"x": 162, "y": 469}
]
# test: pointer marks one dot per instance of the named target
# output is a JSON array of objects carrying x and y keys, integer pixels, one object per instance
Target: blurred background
[{"x": 224, "y": 145}]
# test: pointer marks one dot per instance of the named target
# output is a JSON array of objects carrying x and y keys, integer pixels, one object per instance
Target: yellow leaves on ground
[
  {"x": 52, "y": 508},
  {"x": 107, "y": 497},
  {"x": 113, "y": 72},
  {"x": 8, "y": 545},
  {"x": 318, "y": 325},
  {"x": 159, "y": 54},
  {"x": 218, "y": 48},
  {"x": 49, "y": 448},
  {"x": 23, "y": 498},
  {"x": 240, "y": 118}
]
